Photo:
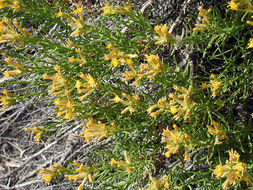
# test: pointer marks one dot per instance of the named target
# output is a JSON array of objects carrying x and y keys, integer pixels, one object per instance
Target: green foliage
[{"x": 157, "y": 118}]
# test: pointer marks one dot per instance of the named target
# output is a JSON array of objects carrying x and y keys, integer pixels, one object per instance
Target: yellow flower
[
  {"x": 162, "y": 106},
  {"x": 239, "y": 4},
  {"x": 13, "y": 4},
  {"x": 37, "y": 131},
  {"x": 215, "y": 85},
  {"x": 98, "y": 130},
  {"x": 65, "y": 105},
  {"x": 82, "y": 172},
  {"x": 204, "y": 25},
  {"x": 181, "y": 104},
  {"x": 19, "y": 69},
  {"x": 158, "y": 185},
  {"x": 12, "y": 73},
  {"x": 217, "y": 131},
  {"x": 88, "y": 88},
  {"x": 116, "y": 56},
  {"x": 233, "y": 5},
  {"x": 233, "y": 170},
  {"x": 82, "y": 61},
  {"x": 153, "y": 68},
  {"x": 131, "y": 103},
  {"x": 55, "y": 171},
  {"x": 8, "y": 100},
  {"x": 60, "y": 83},
  {"x": 76, "y": 22},
  {"x": 250, "y": 44},
  {"x": 124, "y": 165},
  {"x": 8, "y": 32},
  {"x": 176, "y": 140},
  {"x": 164, "y": 37},
  {"x": 111, "y": 9}
]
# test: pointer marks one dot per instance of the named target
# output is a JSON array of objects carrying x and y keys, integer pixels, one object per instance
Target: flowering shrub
[{"x": 118, "y": 84}]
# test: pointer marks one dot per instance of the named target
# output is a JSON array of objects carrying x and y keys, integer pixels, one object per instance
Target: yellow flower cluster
[
  {"x": 164, "y": 37},
  {"x": 204, "y": 25},
  {"x": 65, "y": 105},
  {"x": 88, "y": 88},
  {"x": 98, "y": 130},
  {"x": 82, "y": 61},
  {"x": 60, "y": 83},
  {"x": 176, "y": 140},
  {"x": 161, "y": 107},
  {"x": 215, "y": 85},
  {"x": 158, "y": 185},
  {"x": 181, "y": 104},
  {"x": 55, "y": 171},
  {"x": 239, "y": 4},
  {"x": 124, "y": 165},
  {"x": 233, "y": 170},
  {"x": 150, "y": 70},
  {"x": 13, "y": 4},
  {"x": 130, "y": 103},
  {"x": 116, "y": 56},
  {"x": 83, "y": 173},
  {"x": 37, "y": 131},
  {"x": 60, "y": 87},
  {"x": 109, "y": 9},
  {"x": 75, "y": 22},
  {"x": 19, "y": 69},
  {"x": 153, "y": 68},
  {"x": 8, "y": 100},
  {"x": 8, "y": 33},
  {"x": 217, "y": 131}
]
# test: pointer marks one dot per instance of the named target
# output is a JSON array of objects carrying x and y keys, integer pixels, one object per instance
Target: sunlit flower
[
  {"x": 158, "y": 184},
  {"x": 98, "y": 130},
  {"x": 82, "y": 172},
  {"x": 118, "y": 57},
  {"x": 215, "y": 85},
  {"x": 8, "y": 100},
  {"x": 161, "y": 106},
  {"x": 55, "y": 171},
  {"x": 239, "y": 4},
  {"x": 8, "y": 33},
  {"x": 82, "y": 61},
  {"x": 176, "y": 140},
  {"x": 131, "y": 102},
  {"x": 217, "y": 131},
  {"x": 250, "y": 44},
  {"x": 131, "y": 74},
  {"x": 13, "y": 4},
  {"x": 204, "y": 25},
  {"x": 182, "y": 104},
  {"x": 116, "y": 9},
  {"x": 164, "y": 37},
  {"x": 88, "y": 87},
  {"x": 124, "y": 165},
  {"x": 233, "y": 5},
  {"x": 76, "y": 22},
  {"x": 153, "y": 68},
  {"x": 65, "y": 105},
  {"x": 60, "y": 83},
  {"x": 19, "y": 69},
  {"x": 37, "y": 131},
  {"x": 233, "y": 170}
]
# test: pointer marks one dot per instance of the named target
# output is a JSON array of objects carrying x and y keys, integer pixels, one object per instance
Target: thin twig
[
  {"x": 143, "y": 8},
  {"x": 179, "y": 18},
  {"x": 38, "y": 153}
]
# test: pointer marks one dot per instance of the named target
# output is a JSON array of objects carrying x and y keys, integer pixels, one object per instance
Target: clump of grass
[{"x": 104, "y": 77}]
